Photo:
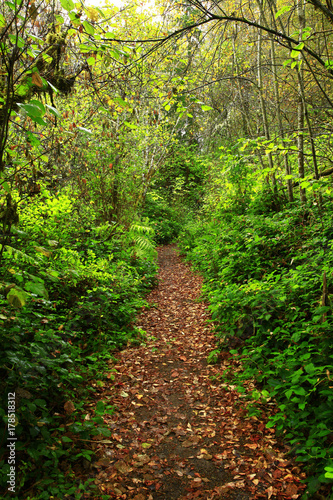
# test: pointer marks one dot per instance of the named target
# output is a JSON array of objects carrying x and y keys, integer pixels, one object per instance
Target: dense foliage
[
  {"x": 77, "y": 287},
  {"x": 268, "y": 277},
  {"x": 118, "y": 131}
]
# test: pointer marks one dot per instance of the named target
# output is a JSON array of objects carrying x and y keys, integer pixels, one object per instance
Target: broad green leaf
[
  {"x": 86, "y": 48},
  {"x": 2, "y": 21},
  {"x": 67, "y": 5},
  {"x": 88, "y": 27},
  {"x": 310, "y": 368},
  {"x": 91, "y": 61},
  {"x": 39, "y": 120},
  {"x": 16, "y": 297},
  {"x": 121, "y": 101},
  {"x": 204, "y": 107},
  {"x": 36, "y": 288},
  {"x": 39, "y": 105},
  {"x": 32, "y": 110},
  {"x": 17, "y": 40},
  {"x": 115, "y": 53},
  {"x": 296, "y": 50},
  {"x": 6, "y": 187},
  {"x": 66, "y": 439},
  {"x": 285, "y": 8},
  {"x": 289, "y": 393}
]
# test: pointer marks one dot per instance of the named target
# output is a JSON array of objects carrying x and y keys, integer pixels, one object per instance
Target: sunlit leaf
[
  {"x": 88, "y": 27},
  {"x": 53, "y": 111}
]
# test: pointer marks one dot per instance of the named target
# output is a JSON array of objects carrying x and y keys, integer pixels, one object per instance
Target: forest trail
[{"x": 177, "y": 434}]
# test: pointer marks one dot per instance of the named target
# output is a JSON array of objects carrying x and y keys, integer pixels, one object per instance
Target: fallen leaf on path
[
  {"x": 192, "y": 441},
  {"x": 123, "y": 468}
]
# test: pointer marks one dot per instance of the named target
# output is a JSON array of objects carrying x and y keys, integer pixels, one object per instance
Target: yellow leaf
[
  {"x": 43, "y": 251},
  {"x": 36, "y": 80}
]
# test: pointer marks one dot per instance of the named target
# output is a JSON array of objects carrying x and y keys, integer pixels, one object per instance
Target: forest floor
[{"x": 179, "y": 432}]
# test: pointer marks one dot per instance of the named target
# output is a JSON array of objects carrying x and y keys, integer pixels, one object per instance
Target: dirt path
[{"x": 177, "y": 434}]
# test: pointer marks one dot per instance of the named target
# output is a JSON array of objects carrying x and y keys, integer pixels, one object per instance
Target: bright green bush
[
  {"x": 264, "y": 281},
  {"x": 68, "y": 294}
]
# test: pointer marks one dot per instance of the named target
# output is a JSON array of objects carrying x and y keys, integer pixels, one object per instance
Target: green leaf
[
  {"x": 100, "y": 407},
  {"x": 39, "y": 120},
  {"x": 310, "y": 368},
  {"x": 289, "y": 393},
  {"x": 16, "y": 297},
  {"x": 85, "y": 48},
  {"x": 66, "y": 439},
  {"x": 91, "y": 61},
  {"x": 6, "y": 187},
  {"x": 88, "y": 27},
  {"x": 285, "y": 8},
  {"x": 121, "y": 101},
  {"x": 36, "y": 288},
  {"x": 300, "y": 391},
  {"x": 32, "y": 109},
  {"x": 329, "y": 472},
  {"x": 67, "y": 5},
  {"x": 130, "y": 125},
  {"x": 53, "y": 88},
  {"x": 53, "y": 111},
  {"x": 47, "y": 58},
  {"x": 295, "y": 337},
  {"x": 84, "y": 130},
  {"x": 204, "y": 107}
]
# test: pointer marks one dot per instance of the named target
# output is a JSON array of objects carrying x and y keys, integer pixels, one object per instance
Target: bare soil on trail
[{"x": 178, "y": 432}]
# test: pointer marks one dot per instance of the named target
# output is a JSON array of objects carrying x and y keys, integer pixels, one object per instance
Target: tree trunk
[
  {"x": 300, "y": 109},
  {"x": 263, "y": 106}
]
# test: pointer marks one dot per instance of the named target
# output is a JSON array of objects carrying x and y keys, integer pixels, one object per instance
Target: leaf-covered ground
[{"x": 178, "y": 434}]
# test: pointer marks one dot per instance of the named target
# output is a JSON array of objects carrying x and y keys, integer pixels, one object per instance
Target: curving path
[{"x": 177, "y": 433}]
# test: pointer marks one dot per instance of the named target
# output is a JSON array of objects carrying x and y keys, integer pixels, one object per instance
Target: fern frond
[{"x": 142, "y": 245}]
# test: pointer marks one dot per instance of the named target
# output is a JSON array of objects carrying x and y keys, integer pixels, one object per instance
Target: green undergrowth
[
  {"x": 70, "y": 287},
  {"x": 268, "y": 278}
]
